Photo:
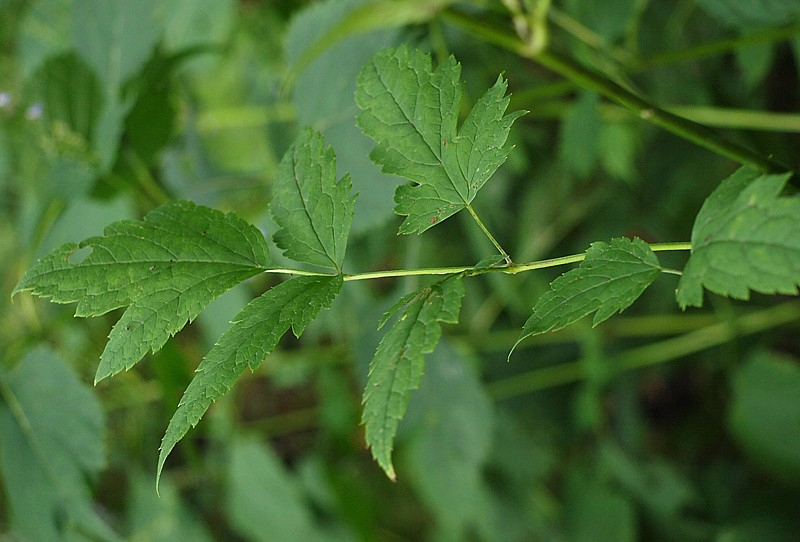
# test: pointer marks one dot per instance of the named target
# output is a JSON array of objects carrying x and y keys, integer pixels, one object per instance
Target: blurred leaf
[
  {"x": 612, "y": 276},
  {"x": 191, "y": 23},
  {"x": 609, "y": 18},
  {"x": 152, "y": 121},
  {"x": 618, "y": 146},
  {"x": 166, "y": 268},
  {"x": 265, "y": 502},
  {"x": 51, "y": 442},
  {"x": 451, "y": 442},
  {"x": 85, "y": 217},
  {"x": 115, "y": 37},
  {"x": 69, "y": 94},
  {"x": 254, "y": 333},
  {"x": 750, "y": 13},
  {"x": 657, "y": 484},
  {"x": 163, "y": 517},
  {"x": 764, "y": 416},
  {"x": 411, "y": 111},
  {"x": 44, "y": 32},
  {"x": 323, "y": 97},
  {"x": 313, "y": 209},
  {"x": 595, "y": 511},
  {"x": 754, "y": 63},
  {"x": 397, "y": 367},
  {"x": 744, "y": 238},
  {"x": 580, "y": 135}
]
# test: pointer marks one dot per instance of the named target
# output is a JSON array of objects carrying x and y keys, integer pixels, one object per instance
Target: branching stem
[
  {"x": 587, "y": 78},
  {"x": 511, "y": 269}
]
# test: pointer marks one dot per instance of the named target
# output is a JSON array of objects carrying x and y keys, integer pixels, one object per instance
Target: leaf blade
[
  {"x": 398, "y": 364},
  {"x": 411, "y": 111},
  {"x": 166, "y": 269},
  {"x": 745, "y": 238},
  {"x": 313, "y": 209},
  {"x": 51, "y": 444},
  {"x": 254, "y": 333},
  {"x": 611, "y": 277}
]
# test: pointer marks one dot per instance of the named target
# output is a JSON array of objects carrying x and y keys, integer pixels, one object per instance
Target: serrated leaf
[
  {"x": 611, "y": 277},
  {"x": 254, "y": 333},
  {"x": 412, "y": 112},
  {"x": 744, "y": 238},
  {"x": 166, "y": 268},
  {"x": 397, "y": 367},
  {"x": 51, "y": 445},
  {"x": 312, "y": 208}
]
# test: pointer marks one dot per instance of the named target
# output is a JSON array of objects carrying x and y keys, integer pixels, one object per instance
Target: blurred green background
[{"x": 657, "y": 425}]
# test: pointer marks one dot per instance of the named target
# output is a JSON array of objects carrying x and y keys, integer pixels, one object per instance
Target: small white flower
[
  {"x": 5, "y": 99},
  {"x": 34, "y": 111}
]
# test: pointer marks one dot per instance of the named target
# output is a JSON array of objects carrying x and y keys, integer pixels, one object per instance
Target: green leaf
[
  {"x": 412, "y": 112},
  {"x": 265, "y": 502},
  {"x": 397, "y": 367},
  {"x": 51, "y": 443},
  {"x": 612, "y": 276},
  {"x": 162, "y": 517},
  {"x": 764, "y": 416},
  {"x": 744, "y": 238},
  {"x": 580, "y": 135},
  {"x": 115, "y": 36},
  {"x": 166, "y": 269},
  {"x": 313, "y": 210},
  {"x": 254, "y": 333},
  {"x": 452, "y": 440}
]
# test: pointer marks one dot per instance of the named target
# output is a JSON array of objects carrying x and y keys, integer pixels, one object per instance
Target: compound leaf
[
  {"x": 166, "y": 269},
  {"x": 611, "y": 277},
  {"x": 412, "y": 112},
  {"x": 254, "y": 333},
  {"x": 744, "y": 238},
  {"x": 396, "y": 369},
  {"x": 313, "y": 210}
]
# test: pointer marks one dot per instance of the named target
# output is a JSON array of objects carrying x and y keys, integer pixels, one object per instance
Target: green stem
[
  {"x": 488, "y": 233},
  {"x": 586, "y": 78},
  {"x": 771, "y": 35},
  {"x": 651, "y": 354},
  {"x": 511, "y": 269}
]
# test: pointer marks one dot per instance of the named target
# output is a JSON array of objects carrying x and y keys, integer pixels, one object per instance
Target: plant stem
[
  {"x": 488, "y": 234},
  {"x": 651, "y": 354},
  {"x": 511, "y": 269},
  {"x": 586, "y": 78}
]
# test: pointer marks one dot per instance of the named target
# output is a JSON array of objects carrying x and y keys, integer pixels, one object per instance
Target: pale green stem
[
  {"x": 512, "y": 269},
  {"x": 488, "y": 233}
]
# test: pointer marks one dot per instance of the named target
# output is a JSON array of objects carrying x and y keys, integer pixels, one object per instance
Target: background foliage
[{"x": 656, "y": 425}]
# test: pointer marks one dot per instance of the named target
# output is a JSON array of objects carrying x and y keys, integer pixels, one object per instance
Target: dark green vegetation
[{"x": 679, "y": 420}]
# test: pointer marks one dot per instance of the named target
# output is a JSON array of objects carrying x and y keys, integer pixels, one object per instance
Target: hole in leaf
[{"x": 79, "y": 255}]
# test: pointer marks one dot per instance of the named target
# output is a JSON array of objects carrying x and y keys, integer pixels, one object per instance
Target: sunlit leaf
[
  {"x": 412, "y": 110},
  {"x": 166, "y": 269}
]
